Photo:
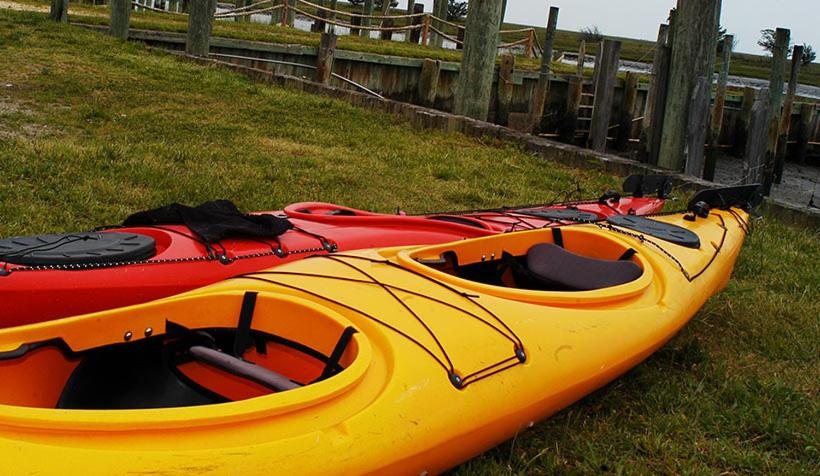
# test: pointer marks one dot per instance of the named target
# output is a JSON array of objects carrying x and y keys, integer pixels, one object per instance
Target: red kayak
[{"x": 52, "y": 276}]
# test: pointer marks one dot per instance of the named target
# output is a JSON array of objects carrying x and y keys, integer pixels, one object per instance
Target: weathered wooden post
[
  {"x": 120, "y": 18},
  {"x": 331, "y": 15},
  {"x": 241, "y": 4},
  {"x": 582, "y": 58},
  {"x": 568, "y": 124},
  {"x": 697, "y": 126},
  {"x": 652, "y": 124},
  {"x": 414, "y": 36},
  {"x": 755, "y": 153},
  {"x": 425, "y": 30},
  {"x": 276, "y": 15},
  {"x": 59, "y": 11},
  {"x": 718, "y": 109},
  {"x": 287, "y": 12},
  {"x": 504, "y": 91},
  {"x": 200, "y": 21},
  {"x": 436, "y": 40},
  {"x": 460, "y": 39},
  {"x": 411, "y": 8},
  {"x": 742, "y": 127},
  {"x": 604, "y": 92},
  {"x": 475, "y": 80},
  {"x": 693, "y": 56},
  {"x": 386, "y": 22},
  {"x": 318, "y": 25},
  {"x": 428, "y": 82},
  {"x": 627, "y": 111},
  {"x": 324, "y": 58},
  {"x": 786, "y": 116},
  {"x": 781, "y": 44},
  {"x": 367, "y": 11},
  {"x": 539, "y": 96},
  {"x": 291, "y": 16},
  {"x": 807, "y": 112}
]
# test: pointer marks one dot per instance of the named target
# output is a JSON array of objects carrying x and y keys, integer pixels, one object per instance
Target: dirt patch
[
  {"x": 8, "y": 130},
  {"x": 22, "y": 7},
  {"x": 801, "y": 183}
]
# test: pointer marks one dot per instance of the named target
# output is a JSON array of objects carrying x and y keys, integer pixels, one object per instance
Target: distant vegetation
[
  {"x": 591, "y": 34},
  {"x": 766, "y": 42}
]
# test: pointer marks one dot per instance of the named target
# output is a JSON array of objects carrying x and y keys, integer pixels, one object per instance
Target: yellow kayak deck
[{"x": 439, "y": 369}]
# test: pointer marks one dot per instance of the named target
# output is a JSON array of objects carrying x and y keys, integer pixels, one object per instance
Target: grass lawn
[
  {"x": 743, "y": 64},
  {"x": 92, "y": 129}
]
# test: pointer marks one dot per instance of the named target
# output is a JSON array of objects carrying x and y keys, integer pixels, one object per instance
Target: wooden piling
[
  {"x": 387, "y": 35},
  {"x": 755, "y": 149},
  {"x": 318, "y": 25},
  {"x": 742, "y": 126},
  {"x": 781, "y": 44},
  {"x": 200, "y": 22},
  {"x": 324, "y": 58},
  {"x": 367, "y": 9},
  {"x": 568, "y": 124},
  {"x": 428, "y": 82},
  {"x": 411, "y": 9},
  {"x": 425, "y": 30},
  {"x": 786, "y": 116},
  {"x": 697, "y": 126},
  {"x": 415, "y": 35},
  {"x": 120, "y": 18},
  {"x": 276, "y": 15},
  {"x": 505, "y": 89},
  {"x": 718, "y": 110},
  {"x": 652, "y": 124},
  {"x": 693, "y": 56},
  {"x": 240, "y": 4},
  {"x": 331, "y": 15},
  {"x": 475, "y": 80},
  {"x": 604, "y": 92},
  {"x": 539, "y": 96},
  {"x": 804, "y": 132},
  {"x": 630, "y": 95},
  {"x": 436, "y": 40},
  {"x": 59, "y": 11},
  {"x": 288, "y": 15},
  {"x": 582, "y": 57}
]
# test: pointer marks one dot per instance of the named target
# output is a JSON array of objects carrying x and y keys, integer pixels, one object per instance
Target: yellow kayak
[{"x": 391, "y": 361}]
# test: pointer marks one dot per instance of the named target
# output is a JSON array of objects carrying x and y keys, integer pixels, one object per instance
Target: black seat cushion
[
  {"x": 130, "y": 376},
  {"x": 560, "y": 269}
]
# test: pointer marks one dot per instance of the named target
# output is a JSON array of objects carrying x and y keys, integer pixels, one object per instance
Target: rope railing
[
  {"x": 153, "y": 9},
  {"x": 245, "y": 8},
  {"x": 358, "y": 15},
  {"x": 429, "y": 24},
  {"x": 358, "y": 27},
  {"x": 248, "y": 13}
]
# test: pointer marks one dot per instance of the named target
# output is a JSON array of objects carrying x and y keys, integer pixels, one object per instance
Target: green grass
[{"x": 92, "y": 129}]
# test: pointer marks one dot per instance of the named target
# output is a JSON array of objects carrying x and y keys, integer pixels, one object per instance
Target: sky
[{"x": 640, "y": 18}]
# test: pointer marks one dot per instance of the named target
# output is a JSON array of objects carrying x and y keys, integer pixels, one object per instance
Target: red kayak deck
[{"x": 31, "y": 294}]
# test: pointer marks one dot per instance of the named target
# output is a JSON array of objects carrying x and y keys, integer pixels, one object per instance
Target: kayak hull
[
  {"x": 396, "y": 407},
  {"x": 182, "y": 264}
]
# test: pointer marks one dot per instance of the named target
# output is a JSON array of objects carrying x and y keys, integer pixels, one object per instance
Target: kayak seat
[{"x": 551, "y": 267}]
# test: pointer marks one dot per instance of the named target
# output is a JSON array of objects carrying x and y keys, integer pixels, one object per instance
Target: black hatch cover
[
  {"x": 562, "y": 214},
  {"x": 76, "y": 248}
]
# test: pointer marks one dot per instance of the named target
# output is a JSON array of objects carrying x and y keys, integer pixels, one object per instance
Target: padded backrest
[{"x": 560, "y": 269}]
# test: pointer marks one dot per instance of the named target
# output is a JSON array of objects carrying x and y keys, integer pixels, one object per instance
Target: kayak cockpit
[
  {"x": 223, "y": 348},
  {"x": 570, "y": 264}
]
